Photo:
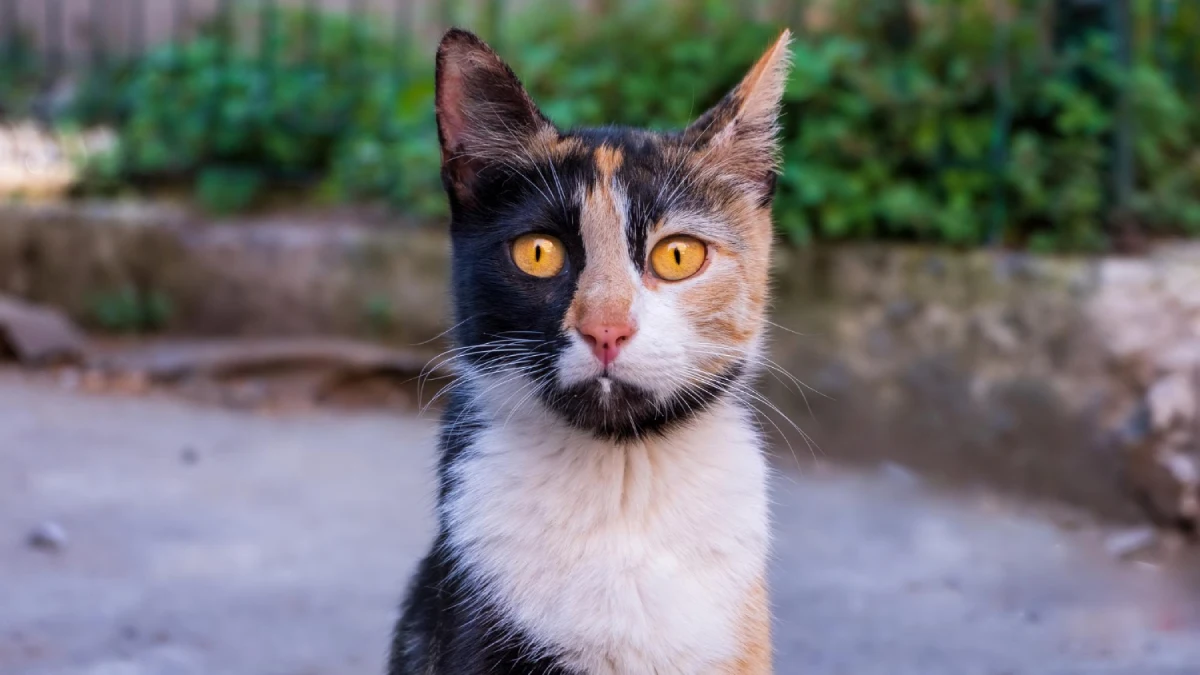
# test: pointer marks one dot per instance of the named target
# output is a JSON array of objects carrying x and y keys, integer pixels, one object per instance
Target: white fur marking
[{"x": 626, "y": 558}]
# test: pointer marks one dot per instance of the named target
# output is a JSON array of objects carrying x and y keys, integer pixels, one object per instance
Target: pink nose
[{"x": 606, "y": 339}]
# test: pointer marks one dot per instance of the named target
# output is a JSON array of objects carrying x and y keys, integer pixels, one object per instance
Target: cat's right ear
[{"x": 484, "y": 116}]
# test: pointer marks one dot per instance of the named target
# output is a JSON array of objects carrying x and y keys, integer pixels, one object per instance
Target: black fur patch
[{"x": 444, "y": 628}]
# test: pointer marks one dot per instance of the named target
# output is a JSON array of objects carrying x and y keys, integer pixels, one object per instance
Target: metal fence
[
  {"x": 69, "y": 34},
  {"x": 46, "y": 40}
]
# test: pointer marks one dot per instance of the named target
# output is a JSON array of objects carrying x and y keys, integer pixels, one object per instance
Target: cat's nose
[{"x": 606, "y": 339}]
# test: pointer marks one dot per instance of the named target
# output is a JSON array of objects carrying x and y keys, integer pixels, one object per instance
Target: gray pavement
[{"x": 204, "y": 541}]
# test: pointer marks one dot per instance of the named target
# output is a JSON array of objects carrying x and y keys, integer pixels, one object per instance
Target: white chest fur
[{"x": 632, "y": 558}]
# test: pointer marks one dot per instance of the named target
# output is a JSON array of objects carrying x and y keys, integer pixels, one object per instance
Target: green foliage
[
  {"x": 944, "y": 124},
  {"x": 130, "y": 310},
  {"x": 328, "y": 101},
  {"x": 224, "y": 190},
  {"x": 20, "y": 68}
]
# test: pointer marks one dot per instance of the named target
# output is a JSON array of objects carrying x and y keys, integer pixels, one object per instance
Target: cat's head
[{"x": 615, "y": 277}]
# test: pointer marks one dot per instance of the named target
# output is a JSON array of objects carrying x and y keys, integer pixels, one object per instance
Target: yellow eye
[
  {"x": 677, "y": 258},
  {"x": 538, "y": 255}
]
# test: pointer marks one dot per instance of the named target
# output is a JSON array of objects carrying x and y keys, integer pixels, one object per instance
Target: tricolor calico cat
[{"x": 602, "y": 506}]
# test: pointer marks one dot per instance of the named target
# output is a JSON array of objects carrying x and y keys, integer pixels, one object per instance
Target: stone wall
[
  {"x": 269, "y": 278},
  {"x": 1069, "y": 379},
  {"x": 1061, "y": 378}
]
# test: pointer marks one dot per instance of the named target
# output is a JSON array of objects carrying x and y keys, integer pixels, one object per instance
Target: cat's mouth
[
  {"x": 606, "y": 385},
  {"x": 613, "y": 391}
]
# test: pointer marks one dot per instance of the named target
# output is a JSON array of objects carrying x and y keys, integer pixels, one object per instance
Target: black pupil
[
  {"x": 537, "y": 253},
  {"x": 678, "y": 256}
]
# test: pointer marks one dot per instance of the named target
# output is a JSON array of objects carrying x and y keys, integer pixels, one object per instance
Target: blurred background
[{"x": 223, "y": 267}]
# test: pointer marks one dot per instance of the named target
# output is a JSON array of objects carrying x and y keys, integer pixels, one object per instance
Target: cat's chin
[{"x": 613, "y": 408}]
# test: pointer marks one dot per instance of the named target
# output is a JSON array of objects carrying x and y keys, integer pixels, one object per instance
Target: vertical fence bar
[
  {"x": 224, "y": 28},
  {"x": 402, "y": 28},
  {"x": 1123, "y": 160},
  {"x": 403, "y": 38},
  {"x": 312, "y": 36},
  {"x": 96, "y": 40},
  {"x": 224, "y": 37},
  {"x": 266, "y": 31},
  {"x": 138, "y": 27},
  {"x": 1002, "y": 86},
  {"x": 358, "y": 30},
  {"x": 1193, "y": 51},
  {"x": 493, "y": 19},
  {"x": 796, "y": 16},
  {"x": 1158, "y": 34},
  {"x": 448, "y": 14},
  {"x": 12, "y": 32},
  {"x": 179, "y": 20},
  {"x": 358, "y": 35},
  {"x": 54, "y": 39},
  {"x": 943, "y": 157}
]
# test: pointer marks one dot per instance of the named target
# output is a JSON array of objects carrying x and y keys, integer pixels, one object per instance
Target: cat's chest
[{"x": 625, "y": 559}]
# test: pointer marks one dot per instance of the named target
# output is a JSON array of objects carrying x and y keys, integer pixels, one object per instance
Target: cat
[{"x": 602, "y": 497}]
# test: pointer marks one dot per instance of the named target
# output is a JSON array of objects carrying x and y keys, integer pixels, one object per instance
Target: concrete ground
[{"x": 202, "y": 541}]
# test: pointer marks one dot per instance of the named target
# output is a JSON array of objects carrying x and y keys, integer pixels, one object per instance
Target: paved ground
[{"x": 209, "y": 542}]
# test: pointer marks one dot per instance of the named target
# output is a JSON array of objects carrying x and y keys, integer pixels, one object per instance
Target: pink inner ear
[
  {"x": 450, "y": 100},
  {"x": 484, "y": 114}
]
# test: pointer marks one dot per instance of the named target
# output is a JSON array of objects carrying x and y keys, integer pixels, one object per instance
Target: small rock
[
  {"x": 1182, "y": 468},
  {"x": 38, "y": 335},
  {"x": 1014, "y": 267},
  {"x": 93, "y": 382},
  {"x": 189, "y": 456},
  {"x": 997, "y": 333},
  {"x": 1181, "y": 357},
  {"x": 131, "y": 384},
  {"x": 1171, "y": 399},
  {"x": 1127, "y": 543},
  {"x": 49, "y": 536},
  {"x": 1124, "y": 273},
  {"x": 900, "y": 311}
]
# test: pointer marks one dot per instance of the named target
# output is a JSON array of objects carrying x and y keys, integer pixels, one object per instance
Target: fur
[{"x": 599, "y": 519}]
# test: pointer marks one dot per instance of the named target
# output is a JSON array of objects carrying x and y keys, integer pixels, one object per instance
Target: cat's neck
[{"x": 638, "y": 553}]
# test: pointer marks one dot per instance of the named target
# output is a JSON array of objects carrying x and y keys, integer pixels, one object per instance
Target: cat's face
[{"x": 616, "y": 277}]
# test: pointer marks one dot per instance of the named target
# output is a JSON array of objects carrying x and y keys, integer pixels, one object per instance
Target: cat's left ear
[
  {"x": 738, "y": 137},
  {"x": 485, "y": 117}
]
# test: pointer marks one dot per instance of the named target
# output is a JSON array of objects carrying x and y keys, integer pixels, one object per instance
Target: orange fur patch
[
  {"x": 754, "y": 635},
  {"x": 608, "y": 161},
  {"x": 727, "y": 303},
  {"x": 605, "y": 290}
]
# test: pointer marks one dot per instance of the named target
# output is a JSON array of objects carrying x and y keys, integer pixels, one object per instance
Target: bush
[
  {"x": 939, "y": 124},
  {"x": 343, "y": 108}
]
